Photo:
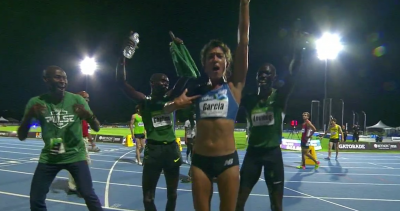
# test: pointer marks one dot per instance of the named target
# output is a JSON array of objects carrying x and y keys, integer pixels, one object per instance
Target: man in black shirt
[
  {"x": 345, "y": 132},
  {"x": 356, "y": 133}
]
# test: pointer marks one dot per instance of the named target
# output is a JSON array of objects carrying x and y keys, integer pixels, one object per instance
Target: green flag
[{"x": 183, "y": 62}]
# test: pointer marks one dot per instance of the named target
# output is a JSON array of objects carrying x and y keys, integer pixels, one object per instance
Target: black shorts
[
  {"x": 214, "y": 166},
  {"x": 190, "y": 141},
  {"x": 335, "y": 140},
  {"x": 305, "y": 145},
  {"x": 163, "y": 154},
  {"x": 140, "y": 136},
  {"x": 253, "y": 162}
]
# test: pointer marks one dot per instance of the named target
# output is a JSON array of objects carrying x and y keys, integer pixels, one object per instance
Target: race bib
[
  {"x": 303, "y": 131},
  {"x": 140, "y": 124},
  {"x": 161, "y": 120},
  {"x": 308, "y": 143},
  {"x": 333, "y": 133},
  {"x": 262, "y": 117},
  {"x": 57, "y": 146},
  {"x": 214, "y": 108}
]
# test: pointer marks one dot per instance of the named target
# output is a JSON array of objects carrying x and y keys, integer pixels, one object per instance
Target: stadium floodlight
[
  {"x": 328, "y": 46},
  {"x": 88, "y": 66}
]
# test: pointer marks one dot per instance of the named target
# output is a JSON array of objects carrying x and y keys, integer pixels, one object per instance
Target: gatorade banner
[
  {"x": 291, "y": 144},
  {"x": 369, "y": 146},
  {"x": 353, "y": 146}
]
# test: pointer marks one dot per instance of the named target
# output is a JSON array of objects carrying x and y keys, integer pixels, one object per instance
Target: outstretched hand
[
  {"x": 183, "y": 101},
  {"x": 175, "y": 39}
]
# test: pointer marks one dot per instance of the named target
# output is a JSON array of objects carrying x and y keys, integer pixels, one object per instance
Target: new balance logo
[{"x": 228, "y": 162}]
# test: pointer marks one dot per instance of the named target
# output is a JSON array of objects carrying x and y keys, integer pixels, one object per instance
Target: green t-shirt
[
  {"x": 60, "y": 123},
  {"x": 139, "y": 125},
  {"x": 264, "y": 119},
  {"x": 159, "y": 126}
]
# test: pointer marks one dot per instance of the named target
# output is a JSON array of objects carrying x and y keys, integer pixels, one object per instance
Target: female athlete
[{"x": 214, "y": 154}]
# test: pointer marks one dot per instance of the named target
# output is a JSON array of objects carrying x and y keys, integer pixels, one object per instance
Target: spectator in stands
[
  {"x": 345, "y": 132},
  {"x": 356, "y": 133}
]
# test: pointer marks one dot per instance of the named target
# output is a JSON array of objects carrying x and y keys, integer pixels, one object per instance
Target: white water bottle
[{"x": 129, "y": 49}]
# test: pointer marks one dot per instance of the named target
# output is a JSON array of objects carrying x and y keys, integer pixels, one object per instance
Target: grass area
[{"x": 240, "y": 137}]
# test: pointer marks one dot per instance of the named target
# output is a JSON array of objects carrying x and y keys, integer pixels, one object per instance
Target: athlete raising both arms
[
  {"x": 214, "y": 151},
  {"x": 307, "y": 131},
  {"x": 64, "y": 146},
  {"x": 161, "y": 152},
  {"x": 138, "y": 132},
  {"x": 265, "y": 111}
]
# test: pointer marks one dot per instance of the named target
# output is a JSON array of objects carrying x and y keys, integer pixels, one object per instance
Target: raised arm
[
  {"x": 120, "y": 75},
  {"x": 238, "y": 77},
  {"x": 290, "y": 77},
  {"x": 181, "y": 102}
]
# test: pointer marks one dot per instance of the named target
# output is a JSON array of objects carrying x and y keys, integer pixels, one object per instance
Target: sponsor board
[
  {"x": 34, "y": 135},
  {"x": 109, "y": 139},
  {"x": 291, "y": 144},
  {"x": 370, "y": 146},
  {"x": 4, "y": 134},
  {"x": 385, "y": 146},
  {"x": 353, "y": 146},
  {"x": 395, "y": 138}
]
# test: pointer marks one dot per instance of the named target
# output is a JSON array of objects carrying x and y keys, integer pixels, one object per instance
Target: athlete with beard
[
  {"x": 265, "y": 111},
  {"x": 60, "y": 114},
  {"x": 214, "y": 151},
  {"x": 161, "y": 152}
]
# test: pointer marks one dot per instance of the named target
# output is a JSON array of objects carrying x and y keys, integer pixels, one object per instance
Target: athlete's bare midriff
[{"x": 214, "y": 137}]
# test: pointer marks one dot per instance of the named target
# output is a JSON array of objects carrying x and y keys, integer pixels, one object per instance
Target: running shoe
[
  {"x": 317, "y": 165},
  {"x": 301, "y": 167}
]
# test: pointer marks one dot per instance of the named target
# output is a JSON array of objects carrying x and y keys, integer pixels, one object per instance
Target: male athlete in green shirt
[
  {"x": 161, "y": 152},
  {"x": 60, "y": 114},
  {"x": 265, "y": 111}
]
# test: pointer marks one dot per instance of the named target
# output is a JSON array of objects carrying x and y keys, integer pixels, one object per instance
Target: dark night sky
[{"x": 35, "y": 34}]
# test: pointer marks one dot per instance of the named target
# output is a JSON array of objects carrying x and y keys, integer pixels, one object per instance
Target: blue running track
[{"x": 356, "y": 181}]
